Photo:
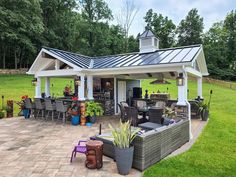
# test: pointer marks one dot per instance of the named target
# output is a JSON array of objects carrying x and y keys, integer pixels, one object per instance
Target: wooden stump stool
[{"x": 94, "y": 154}]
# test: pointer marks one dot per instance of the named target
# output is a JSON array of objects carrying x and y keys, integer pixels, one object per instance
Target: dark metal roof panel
[
  {"x": 162, "y": 56},
  {"x": 76, "y": 59}
]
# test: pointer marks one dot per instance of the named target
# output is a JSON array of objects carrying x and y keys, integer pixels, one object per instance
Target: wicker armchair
[
  {"x": 133, "y": 116},
  {"x": 155, "y": 115},
  {"x": 141, "y": 104},
  {"x": 160, "y": 104}
]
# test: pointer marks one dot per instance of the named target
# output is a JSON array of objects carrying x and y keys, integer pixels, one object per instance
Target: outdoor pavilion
[{"x": 176, "y": 63}]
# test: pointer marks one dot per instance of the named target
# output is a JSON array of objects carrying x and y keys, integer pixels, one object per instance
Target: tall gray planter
[
  {"x": 124, "y": 159},
  {"x": 205, "y": 114}
]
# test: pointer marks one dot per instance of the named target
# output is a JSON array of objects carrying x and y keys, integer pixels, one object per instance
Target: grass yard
[{"x": 214, "y": 153}]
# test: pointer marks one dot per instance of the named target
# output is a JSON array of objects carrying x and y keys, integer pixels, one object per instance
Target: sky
[{"x": 211, "y": 10}]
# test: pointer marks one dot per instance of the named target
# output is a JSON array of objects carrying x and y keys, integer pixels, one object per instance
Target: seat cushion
[{"x": 149, "y": 125}]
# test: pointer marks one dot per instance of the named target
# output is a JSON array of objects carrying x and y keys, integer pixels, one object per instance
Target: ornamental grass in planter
[
  {"x": 123, "y": 137},
  {"x": 204, "y": 108}
]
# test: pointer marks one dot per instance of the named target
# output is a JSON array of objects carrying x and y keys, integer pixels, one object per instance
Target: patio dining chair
[
  {"x": 49, "y": 108},
  {"x": 160, "y": 104},
  {"x": 155, "y": 115},
  {"x": 61, "y": 109},
  {"x": 39, "y": 107},
  {"x": 133, "y": 116},
  {"x": 30, "y": 106},
  {"x": 141, "y": 104},
  {"x": 123, "y": 116}
]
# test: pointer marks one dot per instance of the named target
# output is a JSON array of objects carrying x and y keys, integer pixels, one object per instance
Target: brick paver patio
[{"x": 37, "y": 148}]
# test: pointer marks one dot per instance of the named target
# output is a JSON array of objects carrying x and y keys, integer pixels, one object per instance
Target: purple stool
[{"x": 81, "y": 148}]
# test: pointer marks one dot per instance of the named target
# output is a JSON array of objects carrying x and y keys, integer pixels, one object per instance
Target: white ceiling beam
[
  {"x": 193, "y": 72},
  {"x": 57, "y": 73}
]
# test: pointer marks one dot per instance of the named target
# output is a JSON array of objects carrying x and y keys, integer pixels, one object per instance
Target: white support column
[
  {"x": 115, "y": 96},
  {"x": 188, "y": 105},
  {"x": 81, "y": 88},
  {"x": 90, "y": 87},
  {"x": 38, "y": 88},
  {"x": 47, "y": 86},
  {"x": 199, "y": 87},
  {"x": 182, "y": 91}
]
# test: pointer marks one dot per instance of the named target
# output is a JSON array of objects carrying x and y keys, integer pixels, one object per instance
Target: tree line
[{"x": 84, "y": 26}]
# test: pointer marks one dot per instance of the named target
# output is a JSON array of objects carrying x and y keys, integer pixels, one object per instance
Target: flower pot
[
  {"x": 26, "y": 113},
  {"x": 205, "y": 114},
  {"x": 124, "y": 159},
  {"x": 75, "y": 120}
]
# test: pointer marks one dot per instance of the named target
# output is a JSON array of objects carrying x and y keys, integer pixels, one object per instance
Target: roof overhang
[
  {"x": 40, "y": 62},
  {"x": 46, "y": 58},
  {"x": 201, "y": 61},
  {"x": 178, "y": 67}
]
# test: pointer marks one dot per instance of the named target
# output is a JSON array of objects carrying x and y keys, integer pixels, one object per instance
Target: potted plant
[
  {"x": 123, "y": 137},
  {"x": 26, "y": 112},
  {"x": 203, "y": 110},
  {"x": 93, "y": 109},
  {"x": 169, "y": 113},
  {"x": 2, "y": 113}
]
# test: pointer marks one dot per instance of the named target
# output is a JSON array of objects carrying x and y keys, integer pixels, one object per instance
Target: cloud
[{"x": 211, "y": 10}]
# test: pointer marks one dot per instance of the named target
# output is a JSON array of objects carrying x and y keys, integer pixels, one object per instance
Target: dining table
[{"x": 144, "y": 111}]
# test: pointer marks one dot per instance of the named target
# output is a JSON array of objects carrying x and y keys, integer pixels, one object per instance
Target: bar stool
[
  {"x": 39, "y": 106},
  {"x": 61, "y": 109},
  {"x": 30, "y": 106},
  {"x": 49, "y": 107}
]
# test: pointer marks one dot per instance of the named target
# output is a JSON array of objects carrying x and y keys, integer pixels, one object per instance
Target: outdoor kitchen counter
[{"x": 108, "y": 106}]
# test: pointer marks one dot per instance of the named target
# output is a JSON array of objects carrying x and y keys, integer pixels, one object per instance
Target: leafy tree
[
  {"x": 58, "y": 18},
  {"x": 94, "y": 11},
  {"x": 230, "y": 26},
  {"x": 190, "y": 29},
  {"x": 215, "y": 48},
  {"x": 20, "y": 27},
  {"x": 133, "y": 44},
  {"x": 163, "y": 27}
]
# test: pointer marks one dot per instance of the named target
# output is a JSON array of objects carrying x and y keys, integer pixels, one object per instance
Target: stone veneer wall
[
  {"x": 182, "y": 112},
  {"x": 13, "y": 71}
]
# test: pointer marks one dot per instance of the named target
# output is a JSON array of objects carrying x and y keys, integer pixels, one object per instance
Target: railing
[{"x": 231, "y": 85}]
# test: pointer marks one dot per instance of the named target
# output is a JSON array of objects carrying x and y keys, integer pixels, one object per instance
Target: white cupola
[{"x": 148, "y": 42}]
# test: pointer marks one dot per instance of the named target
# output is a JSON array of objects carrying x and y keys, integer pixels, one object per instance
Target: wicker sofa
[{"x": 152, "y": 146}]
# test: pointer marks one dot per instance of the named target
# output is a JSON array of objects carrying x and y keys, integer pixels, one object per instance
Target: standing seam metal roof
[{"x": 161, "y": 56}]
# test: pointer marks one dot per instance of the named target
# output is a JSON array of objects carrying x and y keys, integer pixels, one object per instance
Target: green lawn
[{"x": 214, "y": 153}]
